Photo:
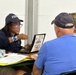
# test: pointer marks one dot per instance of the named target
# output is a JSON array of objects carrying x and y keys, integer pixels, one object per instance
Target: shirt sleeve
[{"x": 41, "y": 59}]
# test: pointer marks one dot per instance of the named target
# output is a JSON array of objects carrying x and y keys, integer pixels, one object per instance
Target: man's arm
[{"x": 36, "y": 71}]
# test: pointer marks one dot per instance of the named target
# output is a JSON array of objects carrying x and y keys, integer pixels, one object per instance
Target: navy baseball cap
[
  {"x": 12, "y": 18},
  {"x": 63, "y": 20}
]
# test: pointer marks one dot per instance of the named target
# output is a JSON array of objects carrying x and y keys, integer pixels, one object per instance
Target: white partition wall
[
  {"x": 47, "y": 10},
  {"x": 37, "y": 14},
  {"x": 24, "y": 9},
  {"x": 12, "y": 6}
]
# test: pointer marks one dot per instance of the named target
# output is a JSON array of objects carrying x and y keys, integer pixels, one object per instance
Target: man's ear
[{"x": 58, "y": 29}]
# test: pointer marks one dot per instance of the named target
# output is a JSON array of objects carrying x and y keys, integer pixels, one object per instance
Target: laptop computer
[{"x": 36, "y": 44}]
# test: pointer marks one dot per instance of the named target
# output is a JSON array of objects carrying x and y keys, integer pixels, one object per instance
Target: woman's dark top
[{"x": 5, "y": 44}]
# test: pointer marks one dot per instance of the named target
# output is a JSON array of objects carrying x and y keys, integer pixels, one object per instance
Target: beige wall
[
  {"x": 12, "y": 6},
  {"x": 48, "y": 9}
]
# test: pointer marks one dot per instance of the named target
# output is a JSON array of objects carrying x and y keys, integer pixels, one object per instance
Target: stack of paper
[{"x": 12, "y": 58}]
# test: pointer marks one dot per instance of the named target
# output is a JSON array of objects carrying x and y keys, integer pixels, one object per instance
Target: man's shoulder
[
  {"x": 53, "y": 40},
  {"x": 60, "y": 39}
]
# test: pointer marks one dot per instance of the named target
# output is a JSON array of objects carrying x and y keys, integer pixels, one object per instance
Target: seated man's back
[{"x": 58, "y": 55}]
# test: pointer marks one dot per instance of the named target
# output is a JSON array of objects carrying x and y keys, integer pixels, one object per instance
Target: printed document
[{"x": 12, "y": 58}]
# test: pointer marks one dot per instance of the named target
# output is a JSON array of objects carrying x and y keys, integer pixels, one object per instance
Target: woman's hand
[
  {"x": 22, "y": 36},
  {"x": 27, "y": 46}
]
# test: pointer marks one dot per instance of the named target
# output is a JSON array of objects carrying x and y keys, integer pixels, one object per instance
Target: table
[{"x": 32, "y": 57}]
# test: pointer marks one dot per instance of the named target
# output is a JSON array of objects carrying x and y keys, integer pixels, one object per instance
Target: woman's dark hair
[{"x": 7, "y": 30}]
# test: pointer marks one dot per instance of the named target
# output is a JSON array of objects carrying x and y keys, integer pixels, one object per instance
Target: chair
[{"x": 69, "y": 73}]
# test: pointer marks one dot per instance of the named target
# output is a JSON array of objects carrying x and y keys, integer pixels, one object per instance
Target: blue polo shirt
[{"x": 58, "y": 55}]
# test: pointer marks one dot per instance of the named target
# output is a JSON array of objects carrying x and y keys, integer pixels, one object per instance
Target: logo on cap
[
  {"x": 14, "y": 16},
  {"x": 69, "y": 24}
]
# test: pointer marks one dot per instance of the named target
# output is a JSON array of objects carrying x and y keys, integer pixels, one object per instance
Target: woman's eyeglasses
[{"x": 17, "y": 24}]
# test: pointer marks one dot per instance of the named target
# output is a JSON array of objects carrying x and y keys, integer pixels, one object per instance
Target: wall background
[
  {"x": 48, "y": 9},
  {"x": 12, "y": 6},
  {"x": 37, "y": 14}
]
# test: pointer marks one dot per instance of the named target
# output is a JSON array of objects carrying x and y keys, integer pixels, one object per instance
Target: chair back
[{"x": 69, "y": 73}]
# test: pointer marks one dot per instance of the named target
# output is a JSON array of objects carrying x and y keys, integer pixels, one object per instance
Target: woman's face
[{"x": 15, "y": 28}]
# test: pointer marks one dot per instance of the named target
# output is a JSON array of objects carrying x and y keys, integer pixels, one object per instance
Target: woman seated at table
[{"x": 10, "y": 39}]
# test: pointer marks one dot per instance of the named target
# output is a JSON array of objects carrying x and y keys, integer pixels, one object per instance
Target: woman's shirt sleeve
[{"x": 5, "y": 44}]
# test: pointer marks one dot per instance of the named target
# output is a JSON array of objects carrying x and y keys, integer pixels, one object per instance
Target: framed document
[{"x": 37, "y": 42}]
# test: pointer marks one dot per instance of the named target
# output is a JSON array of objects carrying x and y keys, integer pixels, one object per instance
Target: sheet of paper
[
  {"x": 38, "y": 43},
  {"x": 12, "y": 58}
]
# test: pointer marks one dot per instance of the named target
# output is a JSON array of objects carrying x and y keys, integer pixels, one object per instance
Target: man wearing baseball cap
[{"x": 58, "y": 55}]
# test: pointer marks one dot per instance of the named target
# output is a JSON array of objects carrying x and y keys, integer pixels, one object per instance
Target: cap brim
[
  {"x": 17, "y": 20},
  {"x": 52, "y": 21},
  {"x": 21, "y": 20}
]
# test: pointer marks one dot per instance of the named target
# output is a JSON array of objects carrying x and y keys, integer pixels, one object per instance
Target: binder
[{"x": 12, "y": 59}]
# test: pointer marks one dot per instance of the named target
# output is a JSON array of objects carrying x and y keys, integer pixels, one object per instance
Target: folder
[{"x": 13, "y": 58}]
